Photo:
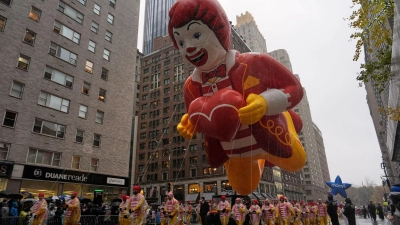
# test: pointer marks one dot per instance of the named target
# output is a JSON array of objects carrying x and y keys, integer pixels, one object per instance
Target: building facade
[
  {"x": 155, "y": 22},
  {"x": 67, "y": 95},
  {"x": 247, "y": 28}
]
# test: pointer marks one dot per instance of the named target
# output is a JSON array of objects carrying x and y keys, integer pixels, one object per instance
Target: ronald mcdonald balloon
[{"x": 241, "y": 102}]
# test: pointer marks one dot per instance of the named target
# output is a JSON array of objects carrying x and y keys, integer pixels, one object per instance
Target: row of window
[{"x": 52, "y": 129}]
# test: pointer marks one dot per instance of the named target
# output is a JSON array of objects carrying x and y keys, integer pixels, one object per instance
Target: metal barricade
[{"x": 14, "y": 221}]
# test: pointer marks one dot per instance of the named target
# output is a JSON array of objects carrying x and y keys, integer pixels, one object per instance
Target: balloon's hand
[
  {"x": 254, "y": 110},
  {"x": 185, "y": 128}
]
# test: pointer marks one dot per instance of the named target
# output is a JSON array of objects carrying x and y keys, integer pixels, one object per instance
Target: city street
[{"x": 368, "y": 221}]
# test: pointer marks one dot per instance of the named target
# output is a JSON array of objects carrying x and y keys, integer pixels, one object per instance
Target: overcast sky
[{"x": 317, "y": 39}]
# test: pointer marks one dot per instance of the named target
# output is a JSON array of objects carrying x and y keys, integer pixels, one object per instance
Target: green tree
[{"x": 370, "y": 19}]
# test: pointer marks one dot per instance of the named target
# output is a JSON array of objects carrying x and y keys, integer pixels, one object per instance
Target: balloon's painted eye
[
  {"x": 197, "y": 35},
  {"x": 181, "y": 43}
]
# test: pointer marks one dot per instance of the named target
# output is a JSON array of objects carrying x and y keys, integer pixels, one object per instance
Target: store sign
[
  {"x": 52, "y": 174},
  {"x": 6, "y": 168},
  {"x": 111, "y": 180}
]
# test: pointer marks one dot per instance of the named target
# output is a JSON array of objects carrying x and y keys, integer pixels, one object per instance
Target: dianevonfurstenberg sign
[{"x": 52, "y": 174}]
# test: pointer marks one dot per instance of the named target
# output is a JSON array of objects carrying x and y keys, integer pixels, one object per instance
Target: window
[
  {"x": 76, "y": 160},
  {"x": 96, "y": 9},
  {"x": 193, "y": 172},
  {"x": 34, "y": 14},
  {"x": 29, "y": 37},
  {"x": 94, "y": 164},
  {"x": 92, "y": 46},
  {"x": 48, "y": 128},
  {"x": 307, "y": 176},
  {"x": 82, "y": 111},
  {"x": 89, "y": 67},
  {"x": 9, "y": 119},
  {"x": 44, "y": 157},
  {"x": 106, "y": 54},
  {"x": 110, "y": 18},
  {"x": 66, "y": 32},
  {"x": 23, "y": 62},
  {"x": 67, "y": 10},
  {"x": 104, "y": 73},
  {"x": 99, "y": 116},
  {"x": 193, "y": 148},
  {"x": 54, "y": 102},
  {"x": 96, "y": 140},
  {"x": 108, "y": 36},
  {"x": 2, "y": 23},
  {"x": 17, "y": 89},
  {"x": 308, "y": 192},
  {"x": 58, "y": 77},
  {"x": 166, "y": 81},
  {"x": 86, "y": 88},
  {"x": 83, "y": 2},
  {"x": 4, "y": 148},
  {"x": 7, "y": 2},
  {"x": 102, "y": 94},
  {"x": 112, "y": 3},
  {"x": 193, "y": 160},
  {"x": 79, "y": 136},
  {"x": 95, "y": 27},
  {"x": 62, "y": 53}
]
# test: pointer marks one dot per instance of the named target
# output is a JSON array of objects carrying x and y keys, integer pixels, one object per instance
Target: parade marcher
[
  {"x": 312, "y": 215},
  {"x": 380, "y": 212},
  {"x": 124, "y": 217},
  {"x": 187, "y": 213},
  {"x": 198, "y": 212},
  {"x": 322, "y": 213},
  {"x": 332, "y": 209},
  {"x": 276, "y": 221},
  {"x": 372, "y": 211},
  {"x": 73, "y": 211},
  {"x": 163, "y": 219},
  {"x": 304, "y": 213},
  {"x": 180, "y": 213},
  {"x": 239, "y": 211},
  {"x": 255, "y": 212},
  {"x": 268, "y": 213},
  {"x": 39, "y": 211},
  {"x": 283, "y": 211},
  {"x": 350, "y": 212},
  {"x": 365, "y": 212},
  {"x": 297, "y": 213},
  {"x": 136, "y": 208},
  {"x": 172, "y": 209},
  {"x": 223, "y": 208},
  {"x": 341, "y": 216},
  {"x": 204, "y": 209}
]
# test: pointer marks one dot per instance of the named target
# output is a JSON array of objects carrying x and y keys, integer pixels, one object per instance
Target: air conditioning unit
[
  {"x": 47, "y": 75},
  {"x": 52, "y": 52}
]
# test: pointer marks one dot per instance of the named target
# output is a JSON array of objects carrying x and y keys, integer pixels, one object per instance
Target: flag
[{"x": 151, "y": 191}]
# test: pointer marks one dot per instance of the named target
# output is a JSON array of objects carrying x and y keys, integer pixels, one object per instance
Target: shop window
[
  {"x": 10, "y": 119},
  {"x": 79, "y": 136},
  {"x": 4, "y": 149},
  {"x": 194, "y": 188},
  {"x": 44, "y": 157},
  {"x": 35, "y": 187},
  {"x": 94, "y": 164},
  {"x": 209, "y": 187},
  {"x": 69, "y": 188},
  {"x": 76, "y": 161}
]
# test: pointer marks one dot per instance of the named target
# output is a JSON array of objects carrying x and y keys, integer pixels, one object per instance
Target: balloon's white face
[{"x": 199, "y": 45}]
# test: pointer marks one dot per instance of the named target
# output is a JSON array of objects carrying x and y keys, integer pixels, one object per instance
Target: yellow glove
[
  {"x": 254, "y": 110},
  {"x": 185, "y": 128}
]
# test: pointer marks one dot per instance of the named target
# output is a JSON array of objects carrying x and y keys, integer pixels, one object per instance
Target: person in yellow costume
[
  {"x": 180, "y": 213},
  {"x": 187, "y": 213},
  {"x": 73, "y": 212},
  {"x": 297, "y": 214},
  {"x": 268, "y": 213},
  {"x": 223, "y": 208},
  {"x": 124, "y": 218},
  {"x": 304, "y": 213},
  {"x": 172, "y": 208},
  {"x": 239, "y": 211},
  {"x": 136, "y": 206},
  {"x": 283, "y": 211},
  {"x": 322, "y": 213},
  {"x": 163, "y": 218},
  {"x": 313, "y": 213},
  {"x": 39, "y": 211},
  {"x": 255, "y": 212}
]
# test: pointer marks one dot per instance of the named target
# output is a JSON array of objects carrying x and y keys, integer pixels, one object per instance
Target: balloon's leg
[{"x": 244, "y": 173}]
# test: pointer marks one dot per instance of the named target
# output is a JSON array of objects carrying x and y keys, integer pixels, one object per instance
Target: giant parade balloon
[
  {"x": 338, "y": 187},
  {"x": 241, "y": 102}
]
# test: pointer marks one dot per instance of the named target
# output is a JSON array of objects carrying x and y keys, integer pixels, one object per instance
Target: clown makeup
[{"x": 199, "y": 45}]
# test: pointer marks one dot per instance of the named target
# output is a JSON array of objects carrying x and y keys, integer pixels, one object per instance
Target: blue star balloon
[{"x": 338, "y": 187}]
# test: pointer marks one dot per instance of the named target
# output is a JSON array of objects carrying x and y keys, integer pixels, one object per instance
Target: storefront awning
[
  {"x": 208, "y": 196},
  {"x": 271, "y": 197},
  {"x": 191, "y": 197},
  {"x": 258, "y": 195}
]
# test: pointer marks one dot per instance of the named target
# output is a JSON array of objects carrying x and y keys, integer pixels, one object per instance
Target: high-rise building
[
  {"x": 67, "y": 71},
  {"x": 316, "y": 171},
  {"x": 246, "y": 26},
  {"x": 155, "y": 22}
]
